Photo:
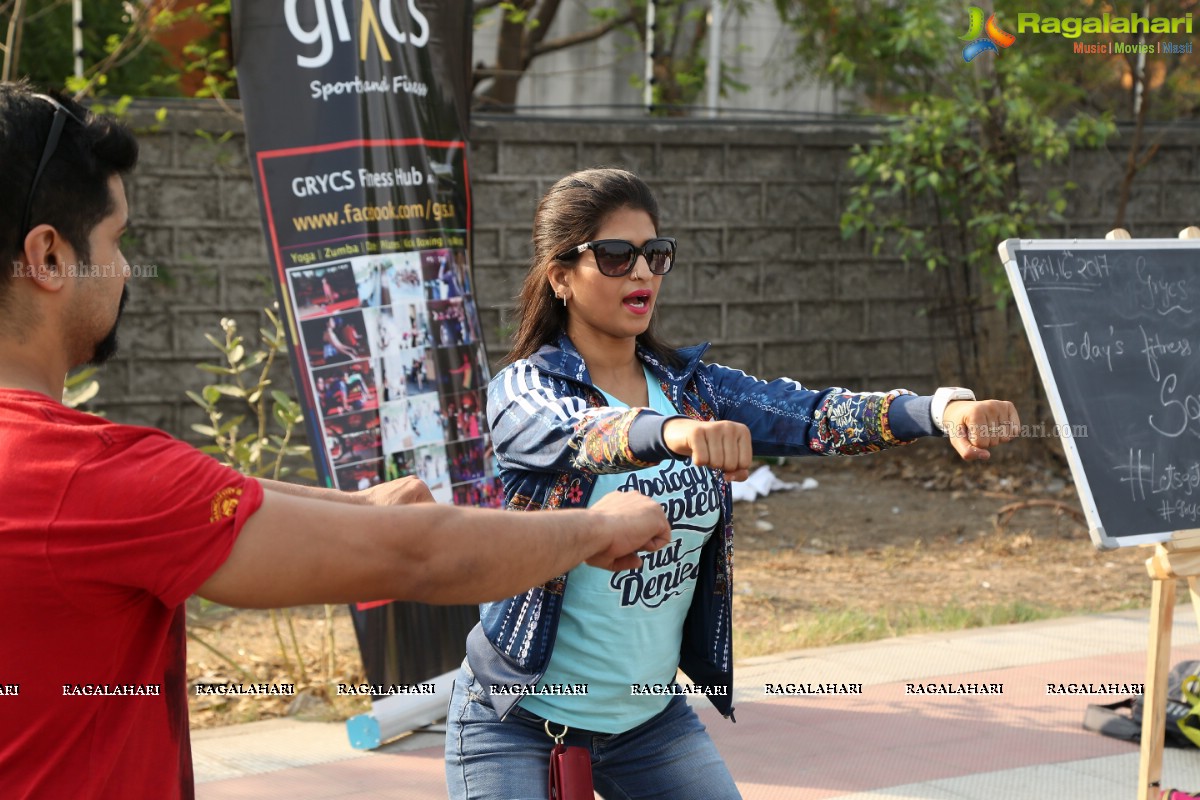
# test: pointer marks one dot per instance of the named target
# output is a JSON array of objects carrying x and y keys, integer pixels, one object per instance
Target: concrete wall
[{"x": 764, "y": 272}]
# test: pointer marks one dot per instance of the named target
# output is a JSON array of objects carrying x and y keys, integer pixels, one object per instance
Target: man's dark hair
[{"x": 72, "y": 193}]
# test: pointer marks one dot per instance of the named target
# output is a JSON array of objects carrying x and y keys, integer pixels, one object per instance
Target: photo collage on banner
[
  {"x": 395, "y": 364},
  {"x": 360, "y": 157}
]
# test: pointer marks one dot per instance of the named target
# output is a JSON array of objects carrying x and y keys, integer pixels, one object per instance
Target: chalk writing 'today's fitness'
[{"x": 1117, "y": 340}]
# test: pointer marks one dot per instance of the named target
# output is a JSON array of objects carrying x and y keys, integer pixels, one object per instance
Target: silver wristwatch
[{"x": 942, "y": 398}]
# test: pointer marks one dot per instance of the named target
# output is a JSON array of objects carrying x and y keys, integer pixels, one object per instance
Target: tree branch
[
  {"x": 139, "y": 30},
  {"x": 677, "y": 28},
  {"x": 484, "y": 5},
  {"x": 545, "y": 17},
  {"x": 34, "y": 16},
  {"x": 1132, "y": 167},
  {"x": 12, "y": 42},
  {"x": 579, "y": 38}
]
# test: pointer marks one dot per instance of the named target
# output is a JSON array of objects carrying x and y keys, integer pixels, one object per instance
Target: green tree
[
  {"x": 961, "y": 163},
  {"x": 122, "y": 53},
  {"x": 679, "y": 59},
  {"x": 890, "y": 54}
]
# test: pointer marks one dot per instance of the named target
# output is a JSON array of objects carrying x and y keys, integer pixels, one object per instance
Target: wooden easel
[{"x": 1178, "y": 558}]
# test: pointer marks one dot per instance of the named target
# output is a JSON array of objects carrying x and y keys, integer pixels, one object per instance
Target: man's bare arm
[
  {"x": 300, "y": 550},
  {"x": 397, "y": 492}
]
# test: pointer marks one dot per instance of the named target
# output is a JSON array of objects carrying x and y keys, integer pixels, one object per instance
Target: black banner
[{"x": 356, "y": 118}]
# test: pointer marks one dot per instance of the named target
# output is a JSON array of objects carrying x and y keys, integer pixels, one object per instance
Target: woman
[
  {"x": 333, "y": 345},
  {"x": 593, "y": 402}
]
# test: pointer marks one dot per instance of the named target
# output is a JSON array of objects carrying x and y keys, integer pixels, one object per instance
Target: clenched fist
[
  {"x": 720, "y": 445},
  {"x": 628, "y": 522},
  {"x": 976, "y": 426}
]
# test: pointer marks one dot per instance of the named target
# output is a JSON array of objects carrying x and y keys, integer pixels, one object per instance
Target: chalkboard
[{"x": 1115, "y": 330}]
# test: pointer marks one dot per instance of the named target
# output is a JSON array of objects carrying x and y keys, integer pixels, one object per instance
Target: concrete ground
[{"x": 885, "y": 744}]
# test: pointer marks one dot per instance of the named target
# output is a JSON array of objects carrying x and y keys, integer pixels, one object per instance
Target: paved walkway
[{"x": 885, "y": 744}]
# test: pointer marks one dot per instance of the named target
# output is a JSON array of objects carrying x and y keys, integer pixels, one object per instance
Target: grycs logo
[
  {"x": 371, "y": 27},
  {"x": 984, "y": 37}
]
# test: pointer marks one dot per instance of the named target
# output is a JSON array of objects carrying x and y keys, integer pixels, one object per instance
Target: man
[{"x": 107, "y": 529}]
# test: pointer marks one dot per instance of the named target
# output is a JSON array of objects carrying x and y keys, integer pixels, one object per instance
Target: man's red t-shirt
[{"x": 105, "y": 531}]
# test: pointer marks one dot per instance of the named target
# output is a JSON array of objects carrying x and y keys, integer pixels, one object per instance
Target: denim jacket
[{"x": 553, "y": 434}]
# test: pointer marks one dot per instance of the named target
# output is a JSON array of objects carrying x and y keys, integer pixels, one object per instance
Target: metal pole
[
  {"x": 77, "y": 35},
  {"x": 648, "y": 90},
  {"x": 713, "y": 78},
  {"x": 1139, "y": 78}
]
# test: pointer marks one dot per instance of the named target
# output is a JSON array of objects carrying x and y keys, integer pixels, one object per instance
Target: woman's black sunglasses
[{"x": 616, "y": 257}]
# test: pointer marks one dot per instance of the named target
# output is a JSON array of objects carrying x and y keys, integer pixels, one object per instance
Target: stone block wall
[{"x": 764, "y": 272}]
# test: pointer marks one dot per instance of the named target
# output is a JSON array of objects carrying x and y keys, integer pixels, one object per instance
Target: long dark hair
[{"x": 570, "y": 213}]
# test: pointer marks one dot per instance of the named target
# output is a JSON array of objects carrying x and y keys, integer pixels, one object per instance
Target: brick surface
[
  {"x": 760, "y": 321},
  {"x": 637, "y": 158},
  {"x": 827, "y": 163},
  {"x": 796, "y": 361},
  {"x": 190, "y": 327},
  {"x": 206, "y": 154},
  {"x": 830, "y": 321},
  {"x": 145, "y": 332},
  {"x": 239, "y": 200},
  {"x": 700, "y": 243},
  {"x": 517, "y": 245},
  {"x": 802, "y": 203},
  {"x": 674, "y": 206},
  {"x": 506, "y": 201},
  {"x": 896, "y": 318},
  {"x": 482, "y": 158},
  {"x": 828, "y": 240},
  {"x": 538, "y": 158},
  {"x": 486, "y": 245},
  {"x": 113, "y": 377},
  {"x": 762, "y": 162},
  {"x": 148, "y": 414},
  {"x": 685, "y": 161},
  {"x": 194, "y": 283},
  {"x": 760, "y": 243},
  {"x": 248, "y": 285},
  {"x": 180, "y": 198},
  {"x": 219, "y": 243},
  {"x": 499, "y": 284},
  {"x": 738, "y": 356},
  {"x": 689, "y": 324},
  {"x": 156, "y": 152},
  {"x": 868, "y": 358},
  {"x": 727, "y": 202},
  {"x": 787, "y": 279},
  {"x": 764, "y": 272},
  {"x": 724, "y": 281}
]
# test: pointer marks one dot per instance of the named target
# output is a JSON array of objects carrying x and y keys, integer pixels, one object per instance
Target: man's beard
[{"x": 106, "y": 348}]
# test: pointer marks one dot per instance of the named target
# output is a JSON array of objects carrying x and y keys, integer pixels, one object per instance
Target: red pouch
[{"x": 570, "y": 773}]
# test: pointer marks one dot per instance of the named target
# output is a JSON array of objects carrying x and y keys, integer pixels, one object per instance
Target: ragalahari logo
[{"x": 984, "y": 37}]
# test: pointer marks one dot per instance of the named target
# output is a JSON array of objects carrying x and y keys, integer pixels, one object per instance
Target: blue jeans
[{"x": 669, "y": 757}]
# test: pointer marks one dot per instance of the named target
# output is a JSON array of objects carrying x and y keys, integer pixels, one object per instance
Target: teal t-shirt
[{"x": 619, "y": 629}]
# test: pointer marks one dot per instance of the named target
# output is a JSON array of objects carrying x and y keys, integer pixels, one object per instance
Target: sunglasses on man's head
[
  {"x": 61, "y": 114},
  {"x": 616, "y": 257}
]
